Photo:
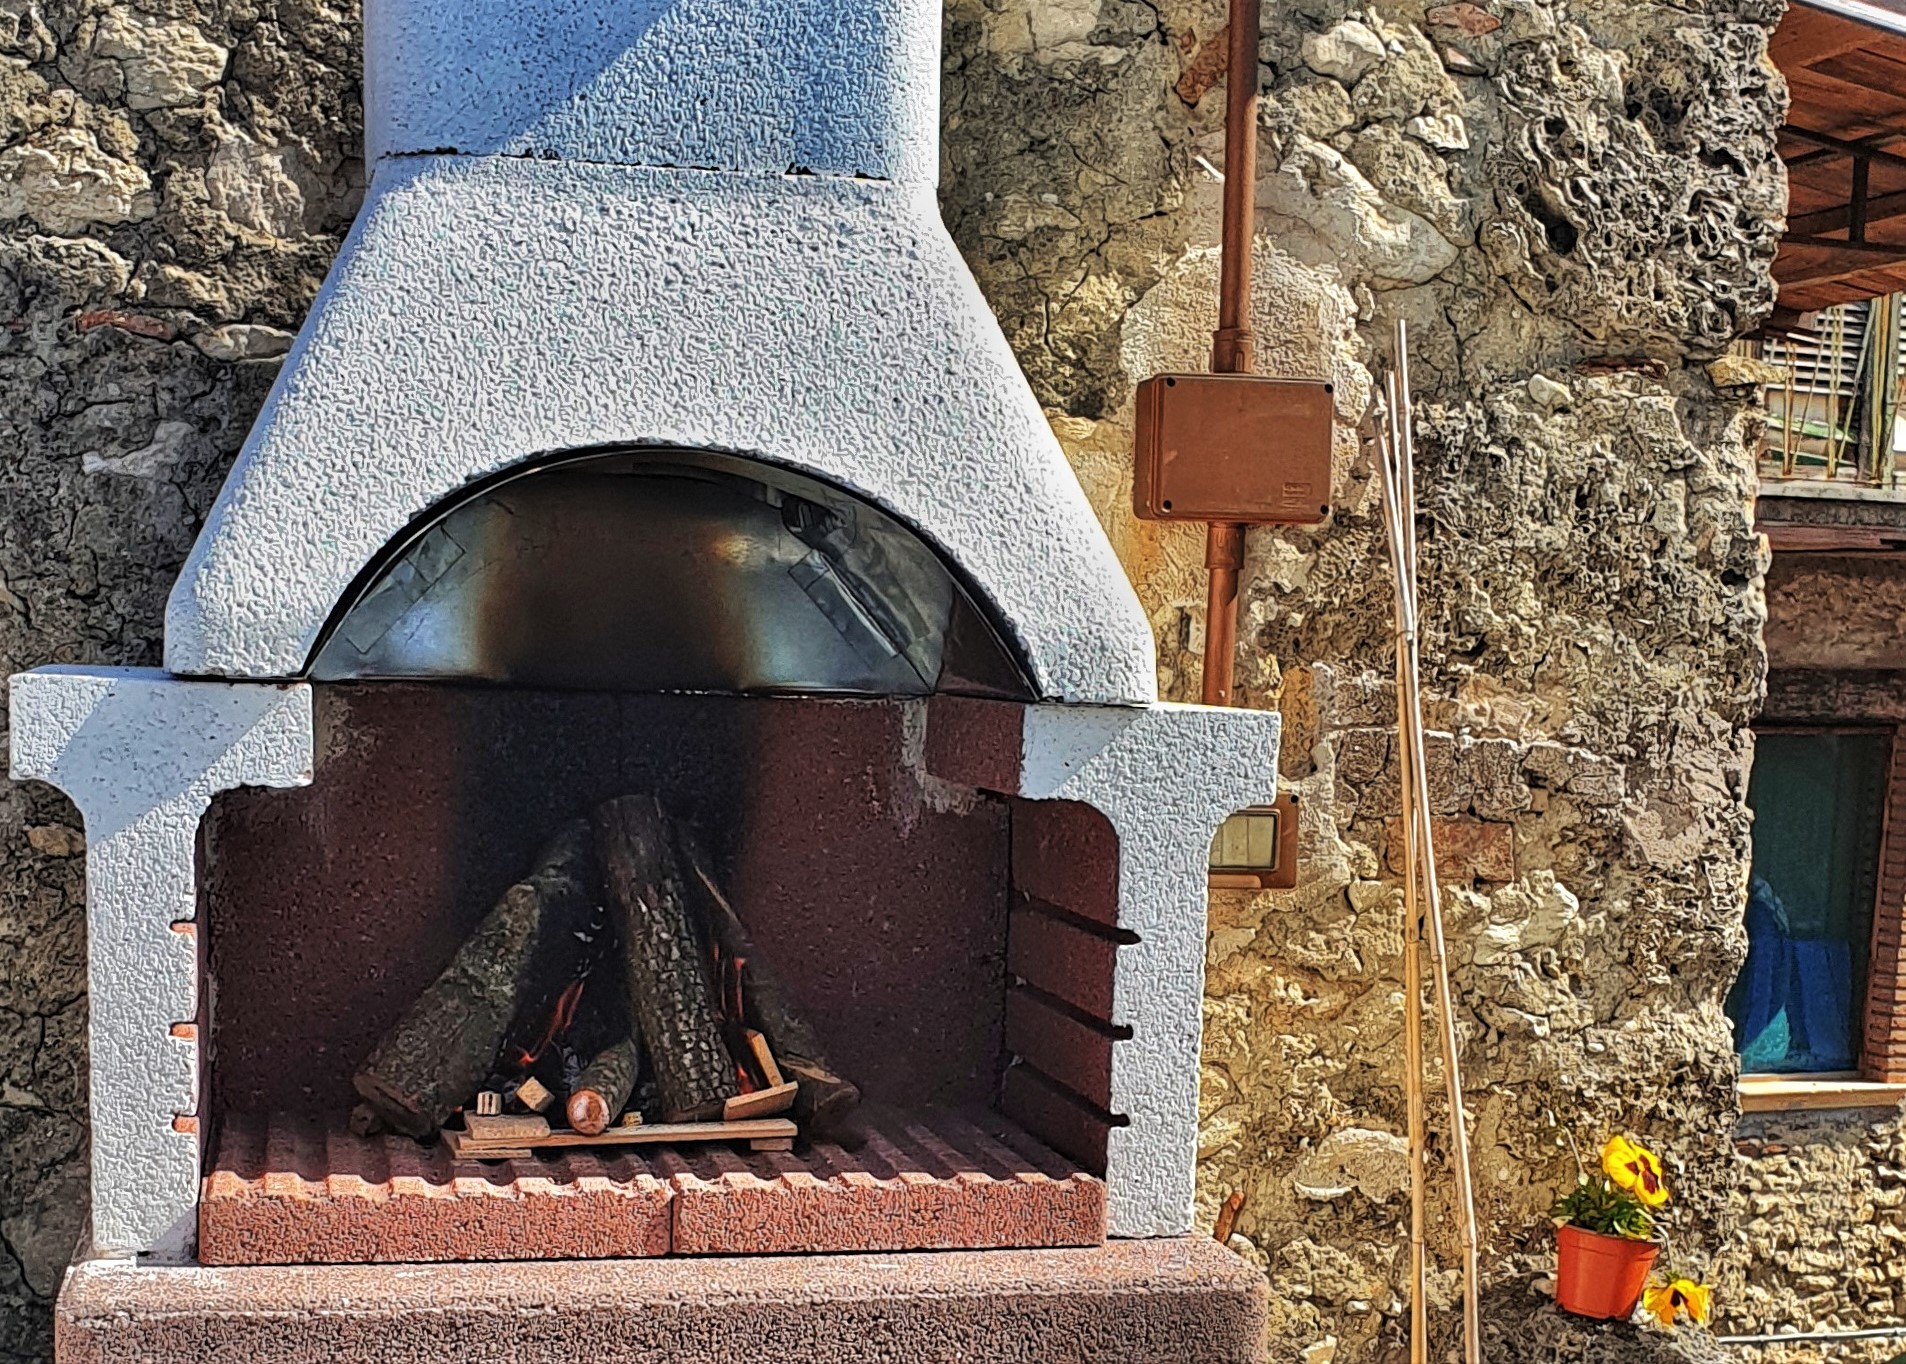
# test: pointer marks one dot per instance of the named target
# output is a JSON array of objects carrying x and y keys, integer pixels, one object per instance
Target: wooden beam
[
  {"x": 1879, "y": 209},
  {"x": 1824, "y": 98},
  {"x": 1876, "y": 140},
  {"x": 1786, "y": 535},
  {"x": 1843, "y": 260},
  {"x": 1841, "y": 244},
  {"x": 1842, "y": 147},
  {"x": 1810, "y": 35}
]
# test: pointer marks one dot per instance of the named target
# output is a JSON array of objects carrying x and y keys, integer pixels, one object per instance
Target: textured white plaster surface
[
  {"x": 825, "y": 87},
  {"x": 142, "y": 754},
  {"x": 489, "y": 310},
  {"x": 1165, "y": 776}
]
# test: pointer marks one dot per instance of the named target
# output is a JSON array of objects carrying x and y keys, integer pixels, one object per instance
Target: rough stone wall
[
  {"x": 1836, "y": 611},
  {"x": 1820, "y": 1209},
  {"x": 1820, "y": 1223},
  {"x": 1574, "y": 203},
  {"x": 175, "y": 176}
]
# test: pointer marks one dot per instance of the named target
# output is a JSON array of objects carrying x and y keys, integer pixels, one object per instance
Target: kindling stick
[
  {"x": 1388, "y": 441},
  {"x": 1422, "y": 895}
]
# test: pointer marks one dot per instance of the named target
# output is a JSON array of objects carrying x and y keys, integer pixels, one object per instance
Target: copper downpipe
[
  {"x": 1232, "y": 346},
  {"x": 1223, "y": 559}
]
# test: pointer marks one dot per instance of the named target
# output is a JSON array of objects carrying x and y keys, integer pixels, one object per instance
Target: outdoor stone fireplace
[{"x": 650, "y": 438}]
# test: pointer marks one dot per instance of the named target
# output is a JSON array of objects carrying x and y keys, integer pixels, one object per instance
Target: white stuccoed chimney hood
[
  {"x": 605, "y": 225},
  {"x": 700, "y": 225}
]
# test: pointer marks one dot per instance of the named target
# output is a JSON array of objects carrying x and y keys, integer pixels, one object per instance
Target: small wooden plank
[
  {"x": 1789, "y": 536},
  {"x": 772, "y": 1144},
  {"x": 762, "y": 1103},
  {"x": 1766, "y": 1094},
  {"x": 511, "y": 1128},
  {"x": 646, "y": 1134},
  {"x": 462, "y": 1148},
  {"x": 763, "y": 1057}
]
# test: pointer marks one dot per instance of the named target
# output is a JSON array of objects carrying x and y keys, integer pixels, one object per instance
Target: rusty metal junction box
[{"x": 1235, "y": 448}]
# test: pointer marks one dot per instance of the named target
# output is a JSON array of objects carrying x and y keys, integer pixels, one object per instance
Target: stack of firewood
[{"x": 614, "y": 986}]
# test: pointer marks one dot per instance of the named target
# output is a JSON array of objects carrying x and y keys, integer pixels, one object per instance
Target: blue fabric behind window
[{"x": 1818, "y": 802}]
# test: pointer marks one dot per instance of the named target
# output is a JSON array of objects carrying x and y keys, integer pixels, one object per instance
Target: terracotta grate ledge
[{"x": 286, "y": 1190}]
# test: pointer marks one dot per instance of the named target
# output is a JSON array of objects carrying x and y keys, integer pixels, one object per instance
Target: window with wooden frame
[{"x": 1819, "y": 1008}]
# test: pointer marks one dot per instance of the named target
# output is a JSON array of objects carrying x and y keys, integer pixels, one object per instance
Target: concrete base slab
[{"x": 1142, "y": 1302}]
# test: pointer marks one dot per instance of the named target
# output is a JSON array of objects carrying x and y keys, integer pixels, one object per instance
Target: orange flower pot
[{"x": 1600, "y": 1276}]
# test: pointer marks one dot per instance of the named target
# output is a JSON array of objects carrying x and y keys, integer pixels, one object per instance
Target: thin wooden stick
[
  {"x": 1387, "y": 439},
  {"x": 1420, "y": 846}
]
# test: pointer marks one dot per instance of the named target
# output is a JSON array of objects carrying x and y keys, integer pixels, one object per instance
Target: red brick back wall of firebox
[{"x": 328, "y": 908}]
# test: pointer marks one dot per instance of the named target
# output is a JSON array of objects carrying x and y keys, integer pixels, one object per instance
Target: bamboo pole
[
  {"x": 1786, "y": 419},
  {"x": 1422, "y": 893},
  {"x": 1883, "y": 318},
  {"x": 1387, "y": 440}
]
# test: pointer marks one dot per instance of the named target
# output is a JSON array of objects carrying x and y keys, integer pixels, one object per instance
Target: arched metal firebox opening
[{"x": 668, "y": 570}]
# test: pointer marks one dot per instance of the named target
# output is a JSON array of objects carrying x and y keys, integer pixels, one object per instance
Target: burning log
[
  {"x": 669, "y": 986},
  {"x": 826, "y": 1106},
  {"x": 579, "y": 1007},
  {"x": 604, "y": 1087},
  {"x": 439, "y": 1053}
]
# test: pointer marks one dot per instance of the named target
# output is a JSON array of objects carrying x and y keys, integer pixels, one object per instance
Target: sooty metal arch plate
[{"x": 669, "y": 571}]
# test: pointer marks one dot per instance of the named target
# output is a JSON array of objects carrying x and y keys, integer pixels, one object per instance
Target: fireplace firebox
[{"x": 656, "y": 764}]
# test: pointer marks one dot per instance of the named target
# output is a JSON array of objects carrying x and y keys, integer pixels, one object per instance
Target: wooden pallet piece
[
  {"x": 516, "y": 1146},
  {"x": 762, "y": 1103}
]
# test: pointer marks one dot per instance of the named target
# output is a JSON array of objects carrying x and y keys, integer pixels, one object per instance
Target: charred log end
[
  {"x": 588, "y": 1112},
  {"x": 828, "y": 1107},
  {"x": 385, "y": 1106},
  {"x": 602, "y": 1091}
]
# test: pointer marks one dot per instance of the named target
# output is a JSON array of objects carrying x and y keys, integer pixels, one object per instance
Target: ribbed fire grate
[{"x": 298, "y": 1190}]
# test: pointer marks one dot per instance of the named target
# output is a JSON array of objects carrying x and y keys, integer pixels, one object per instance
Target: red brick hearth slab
[
  {"x": 938, "y": 1184},
  {"x": 290, "y": 1191}
]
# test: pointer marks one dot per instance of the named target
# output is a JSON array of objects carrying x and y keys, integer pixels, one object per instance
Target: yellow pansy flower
[
  {"x": 1666, "y": 1302},
  {"x": 1636, "y": 1169}
]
